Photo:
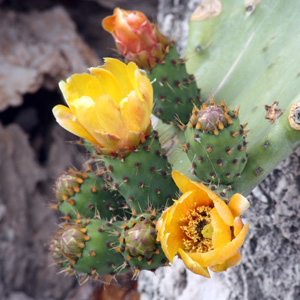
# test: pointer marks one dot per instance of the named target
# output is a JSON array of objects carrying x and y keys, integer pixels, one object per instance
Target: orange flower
[
  {"x": 202, "y": 229},
  {"x": 136, "y": 38},
  {"x": 110, "y": 107}
]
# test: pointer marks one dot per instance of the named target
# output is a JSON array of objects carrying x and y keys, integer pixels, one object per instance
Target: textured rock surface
[
  {"x": 270, "y": 267},
  {"x": 37, "y": 50}
]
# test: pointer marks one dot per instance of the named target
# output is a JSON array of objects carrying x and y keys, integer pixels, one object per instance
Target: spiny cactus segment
[
  {"x": 138, "y": 243},
  {"x": 216, "y": 143},
  {"x": 86, "y": 246},
  {"x": 88, "y": 194},
  {"x": 143, "y": 178},
  {"x": 175, "y": 91}
]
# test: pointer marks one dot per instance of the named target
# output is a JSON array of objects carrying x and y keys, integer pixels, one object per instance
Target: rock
[{"x": 37, "y": 50}]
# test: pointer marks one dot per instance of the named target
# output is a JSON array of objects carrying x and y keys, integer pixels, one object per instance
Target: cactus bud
[
  {"x": 72, "y": 242},
  {"x": 56, "y": 252},
  {"x": 210, "y": 119},
  {"x": 67, "y": 184},
  {"x": 140, "y": 239},
  {"x": 136, "y": 38}
]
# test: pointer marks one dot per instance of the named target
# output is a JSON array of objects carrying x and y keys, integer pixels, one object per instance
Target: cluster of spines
[
  {"x": 214, "y": 135},
  {"x": 88, "y": 193},
  {"x": 174, "y": 93},
  {"x": 86, "y": 246},
  {"x": 142, "y": 251},
  {"x": 143, "y": 177}
]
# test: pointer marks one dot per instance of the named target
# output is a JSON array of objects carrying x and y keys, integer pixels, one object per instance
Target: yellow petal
[
  {"x": 79, "y": 85},
  {"x": 120, "y": 71},
  {"x": 109, "y": 83},
  {"x": 146, "y": 90},
  {"x": 238, "y": 204},
  {"x": 193, "y": 265},
  {"x": 206, "y": 259},
  {"x": 221, "y": 254},
  {"x": 170, "y": 245},
  {"x": 109, "y": 142},
  {"x": 229, "y": 263},
  {"x": 185, "y": 184},
  {"x": 220, "y": 205},
  {"x": 222, "y": 232},
  {"x": 109, "y": 116},
  {"x": 234, "y": 246},
  {"x": 237, "y": 226},
  {"x": 67, "y": 120},
  {"x": 132, "y": 71},
  {"x": 86, "y": 114},
  {"x": 135, "y": 112}
]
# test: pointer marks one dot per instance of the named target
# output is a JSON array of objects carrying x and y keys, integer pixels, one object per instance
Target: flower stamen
[{"x": 198, "y": 229}]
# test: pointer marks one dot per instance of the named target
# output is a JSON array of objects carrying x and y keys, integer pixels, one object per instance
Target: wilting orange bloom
[
  {"x": 110, "y": 107},
  {"x": 136, "y": 38},
  {"x": 202, "y": 229}
]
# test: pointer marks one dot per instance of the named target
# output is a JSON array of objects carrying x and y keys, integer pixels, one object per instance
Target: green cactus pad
[
  {"x": 98, "y": 256},
  {"x": 175, "y": 90},
  {"x": 143, "y": 177},
  {"x": 138, "y": 243},
  {"x": 90, "y": 197},
  {"x": 217, "y": 158}
]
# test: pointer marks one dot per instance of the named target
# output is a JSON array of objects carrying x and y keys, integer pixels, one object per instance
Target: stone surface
[{"x": 38, "y": 49}]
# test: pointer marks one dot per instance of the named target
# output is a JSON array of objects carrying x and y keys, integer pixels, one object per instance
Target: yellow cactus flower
[
  {"x": 202, "y": 229},
  {"x": 110, "y": 107}
]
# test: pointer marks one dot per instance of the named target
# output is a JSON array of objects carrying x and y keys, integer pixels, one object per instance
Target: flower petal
[
  {"x": 170, "y": 245},
  {"x": 120, "y": 71},
  {"x": 222, "y": 232},
  {"x": 109, "y": 83},
  {"x": 109, "y": 116},
  {"x": 185, "y": 184},
  {"x": 237, "y": 226},
  {"x": 67, "y": 120},
  {"x": 221, "y": 254},
  {"x": 220, "y": 205},
  {"x": 193, "y": 265},
  {"x": 109, "y": 23},
  {"x": 238, "y": 204},
  {"x": 229, "y": 263},
  {"x": 135, "y": 112},
  {"x": 79, "y": 85},
  {"x": 234, "y": 246},
  {"x": 86, "y": 114}
]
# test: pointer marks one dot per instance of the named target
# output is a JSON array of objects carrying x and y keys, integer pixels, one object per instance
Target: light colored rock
[{"x": 37, "y": 50}]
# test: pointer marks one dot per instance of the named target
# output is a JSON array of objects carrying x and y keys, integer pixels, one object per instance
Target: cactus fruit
[
  {"x": 138, "y": 243},
  {"x": 87, "y": 194},
  {"x": 216, "y": 143},
  {"x": 143, "y": 177},
  {"x": 175, "y": 91},
  {"x": 87, "y": 246}
]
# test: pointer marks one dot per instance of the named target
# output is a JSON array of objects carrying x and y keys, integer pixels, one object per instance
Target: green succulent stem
[{"x": 279, "y": 142}]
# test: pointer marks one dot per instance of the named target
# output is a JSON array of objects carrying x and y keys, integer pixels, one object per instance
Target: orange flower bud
[{"x": 136, "y": 38}]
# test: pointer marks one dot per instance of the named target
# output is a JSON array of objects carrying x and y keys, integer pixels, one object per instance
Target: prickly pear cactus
[
  {"x": 138, "y": 243},
  {"x": 87, "y": 246},
  {"x": 87, "y": 194},
  {"x": 252, "y": 65},
  {"x": 216, "y": 143},
  {"x": 175, "y": 91},
  {"x": 143, "y": 177}
]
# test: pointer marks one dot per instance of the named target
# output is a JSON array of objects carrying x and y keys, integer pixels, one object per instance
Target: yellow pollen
[{"x": 197, "y": 229}]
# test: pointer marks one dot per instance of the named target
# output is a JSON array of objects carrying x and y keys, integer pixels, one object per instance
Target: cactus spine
[
  {"x": 216, "y": 143},
  {"x": 175, "y": 91}
]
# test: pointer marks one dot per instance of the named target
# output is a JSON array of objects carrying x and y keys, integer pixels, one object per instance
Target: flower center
[{"x": 198, "y": 230}]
